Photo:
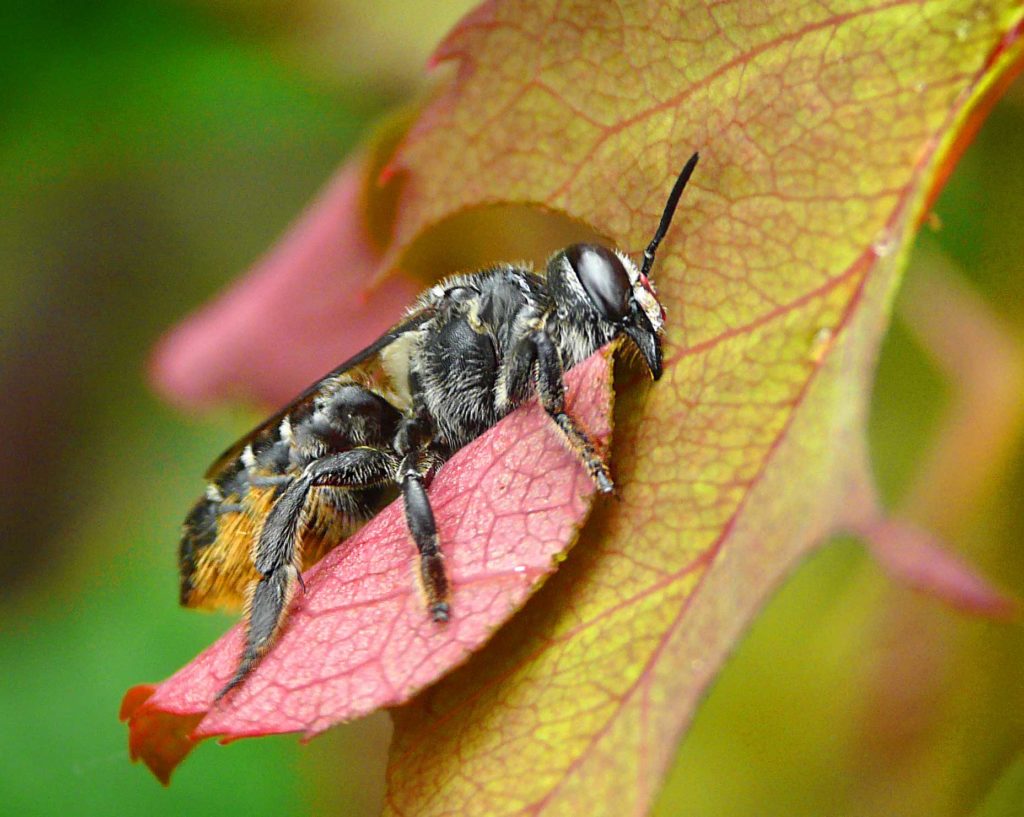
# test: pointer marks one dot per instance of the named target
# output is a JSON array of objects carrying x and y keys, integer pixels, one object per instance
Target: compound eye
[{"x": 603, "y": 277}]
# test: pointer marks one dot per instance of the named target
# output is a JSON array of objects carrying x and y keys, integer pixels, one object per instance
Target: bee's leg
[
  {"x": 551, "y": 389},
  {"x": 411, "y": 442},
  {"x": 420, "y": 518},
  {"x": 276, "y": 554},
  {"x": 268, "y": 480}
]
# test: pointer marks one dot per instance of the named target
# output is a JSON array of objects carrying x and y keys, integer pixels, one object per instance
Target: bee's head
[{"x": 605, "y": 284}]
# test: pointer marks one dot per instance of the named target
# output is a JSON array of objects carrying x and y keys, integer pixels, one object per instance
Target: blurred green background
[{"x": 149, "y": 152}]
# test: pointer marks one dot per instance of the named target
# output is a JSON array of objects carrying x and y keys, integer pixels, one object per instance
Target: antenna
[{"x": 670, "y": 209}]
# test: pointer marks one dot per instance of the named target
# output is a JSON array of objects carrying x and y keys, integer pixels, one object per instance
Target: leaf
[
  {"x": 824, "y": 130},
  {"x": 360, "y": 638},
  {"x": 161, "y": 738}
]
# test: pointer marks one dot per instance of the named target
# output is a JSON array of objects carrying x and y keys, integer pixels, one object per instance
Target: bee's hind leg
[{"x": 276, "y": 553}]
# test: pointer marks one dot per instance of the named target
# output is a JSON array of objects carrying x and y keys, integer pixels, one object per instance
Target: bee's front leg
[
  {"x": 276, "y": 552},
  {"x": 551, "y": 390}
]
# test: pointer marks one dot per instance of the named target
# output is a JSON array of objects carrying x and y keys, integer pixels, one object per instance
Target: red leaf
[{"x": 508, "y": 505}]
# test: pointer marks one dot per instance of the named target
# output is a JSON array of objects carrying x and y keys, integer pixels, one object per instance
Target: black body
[{"x": 472, "y": 349}]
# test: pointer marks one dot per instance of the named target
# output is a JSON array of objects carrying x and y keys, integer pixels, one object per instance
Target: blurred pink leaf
[
  {"x": 300, "y": 311},
  {"x": 917, "y": 559}
]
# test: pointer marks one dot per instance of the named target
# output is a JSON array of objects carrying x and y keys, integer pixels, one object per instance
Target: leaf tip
[{"x": 158, "y": 738}]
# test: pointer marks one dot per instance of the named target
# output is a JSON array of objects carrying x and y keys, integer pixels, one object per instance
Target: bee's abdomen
[
  {"x": 199, "y": 531},
  {"x": 219, "y": 533},
  {"x": 216, "y": 538}
]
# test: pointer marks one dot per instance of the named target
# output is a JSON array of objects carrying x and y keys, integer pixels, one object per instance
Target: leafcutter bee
[{"x": 468, "y": 352}]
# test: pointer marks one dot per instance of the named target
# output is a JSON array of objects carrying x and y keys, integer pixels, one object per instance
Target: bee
[{"x": 469, "y": 351}]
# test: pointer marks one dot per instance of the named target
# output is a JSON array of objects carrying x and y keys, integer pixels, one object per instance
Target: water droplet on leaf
[
  {"x": 821, "y": 343},
  {"x": 884, "y": 245}
]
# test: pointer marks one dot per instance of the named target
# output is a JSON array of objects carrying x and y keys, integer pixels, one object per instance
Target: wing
[{"x": 363, "y": 358}]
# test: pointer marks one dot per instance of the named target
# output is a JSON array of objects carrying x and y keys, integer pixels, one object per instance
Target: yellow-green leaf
[{"x": 824, "y": 129}]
